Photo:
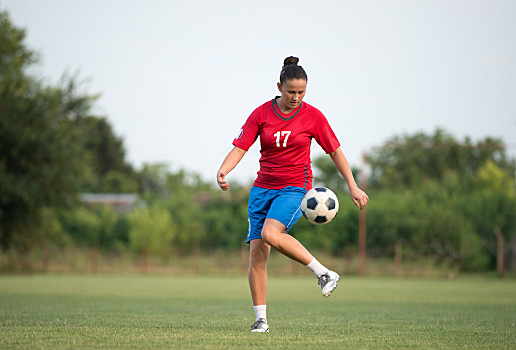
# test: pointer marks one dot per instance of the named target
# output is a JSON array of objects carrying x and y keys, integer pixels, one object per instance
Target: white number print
[{"x": 279, "y": 134}]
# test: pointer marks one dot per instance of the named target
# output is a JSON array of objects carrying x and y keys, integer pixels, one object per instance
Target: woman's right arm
[{"x": 230, "y": 162}]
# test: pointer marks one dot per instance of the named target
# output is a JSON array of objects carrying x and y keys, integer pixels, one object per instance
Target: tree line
[{"x": 440, "y": 197}]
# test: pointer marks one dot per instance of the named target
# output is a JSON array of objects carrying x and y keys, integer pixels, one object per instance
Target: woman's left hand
[
  {"x": 359, "y": 197},
  {"x": 221, "y": 181}
]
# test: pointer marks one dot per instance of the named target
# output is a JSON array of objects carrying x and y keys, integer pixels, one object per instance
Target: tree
[
  {"x": 105, "y": 156},
  {"x": 326, "y": 173},
  {"x": 151, "y": 230},
  {"x": 492, "y": 206},
  {"x": 39, "y": 161},
  {"x": 409, "y": 161},
  {"x": 442, "y": 196}
]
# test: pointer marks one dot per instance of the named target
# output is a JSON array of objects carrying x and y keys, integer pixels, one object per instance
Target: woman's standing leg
[{"x": 258, "y": 257}]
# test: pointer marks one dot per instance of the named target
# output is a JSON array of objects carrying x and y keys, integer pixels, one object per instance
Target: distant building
[{"x": 121, "y": 202}]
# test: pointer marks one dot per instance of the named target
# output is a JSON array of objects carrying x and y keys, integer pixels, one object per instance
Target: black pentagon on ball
[
  {"x": 320, "y": 219},
  {"x": 330, "y": 203},
  {"x": 320, "y": 189},
  {"x": 311, "y": 203}
]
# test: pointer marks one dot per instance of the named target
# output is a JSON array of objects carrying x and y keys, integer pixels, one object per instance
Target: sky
[{"x": 177, "y": 79}]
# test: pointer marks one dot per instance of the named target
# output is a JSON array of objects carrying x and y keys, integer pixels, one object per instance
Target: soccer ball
[{"x": 320, "y": 205}]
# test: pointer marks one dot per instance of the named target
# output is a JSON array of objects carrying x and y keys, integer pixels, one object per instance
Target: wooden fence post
[
  {"x": 94, "y": 259},
  {"x": 145, "y": 261},
  {"x": 398, "y": 266},
  {"x": 500, "y": 252}
]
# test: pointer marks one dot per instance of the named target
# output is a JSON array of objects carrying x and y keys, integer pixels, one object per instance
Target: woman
[{"x": 286, "y": 126}]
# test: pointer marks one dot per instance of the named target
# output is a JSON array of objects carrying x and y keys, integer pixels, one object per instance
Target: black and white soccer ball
[{"x": 320, "y": 205}]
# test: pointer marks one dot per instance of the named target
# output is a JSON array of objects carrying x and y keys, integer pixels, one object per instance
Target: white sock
[
  {"x": 260, "y": 311},
  {"x": 316, "y": 267}
]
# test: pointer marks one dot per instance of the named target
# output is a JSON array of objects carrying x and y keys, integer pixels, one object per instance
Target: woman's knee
[
  {"x": 270, "y": 235},
  {"x": 272, "y": 231},
  {"x": 259, "y": 252}
]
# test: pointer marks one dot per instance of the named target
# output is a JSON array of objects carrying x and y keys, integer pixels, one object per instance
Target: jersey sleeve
[
  {"x": 249, "y": 131},
  {"x": 323, "y": 133}
]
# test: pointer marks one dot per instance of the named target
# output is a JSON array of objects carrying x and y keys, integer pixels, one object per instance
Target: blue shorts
[{"x": 283, "y": 205}]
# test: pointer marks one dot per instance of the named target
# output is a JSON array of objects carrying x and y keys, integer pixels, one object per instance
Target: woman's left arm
[{"x": 358, "y": 196}]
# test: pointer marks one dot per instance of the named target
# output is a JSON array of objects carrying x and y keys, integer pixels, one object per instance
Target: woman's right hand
[{"x": 232, "y": 159}]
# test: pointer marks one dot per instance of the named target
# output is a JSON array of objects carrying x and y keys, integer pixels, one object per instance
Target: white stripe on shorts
[{"x": 292, "y": 218}]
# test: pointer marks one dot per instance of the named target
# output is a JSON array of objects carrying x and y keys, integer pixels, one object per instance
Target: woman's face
[{"x": 292, "y": 93}]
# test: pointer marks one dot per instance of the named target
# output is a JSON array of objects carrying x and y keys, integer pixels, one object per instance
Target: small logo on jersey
[{"x": 240, "y": 132}]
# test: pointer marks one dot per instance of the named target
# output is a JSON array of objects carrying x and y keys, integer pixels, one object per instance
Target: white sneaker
[
  {"x": 260, "y": 326},
  {"x": 328, "y": 282}
]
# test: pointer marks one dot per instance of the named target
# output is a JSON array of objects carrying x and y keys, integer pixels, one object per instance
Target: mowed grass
[{"x": 209, "y": 312}]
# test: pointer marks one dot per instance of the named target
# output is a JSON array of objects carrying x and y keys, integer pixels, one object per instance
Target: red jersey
[{"x": 285, "y": 141}]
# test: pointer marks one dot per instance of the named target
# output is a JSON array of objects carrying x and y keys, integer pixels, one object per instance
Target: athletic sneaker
[
  {"x": 328, "y": 282},
  {"x": 260, "y": 326}
]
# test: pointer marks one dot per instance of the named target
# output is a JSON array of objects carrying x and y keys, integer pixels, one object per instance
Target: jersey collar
[{"x": 279, "y": 113}]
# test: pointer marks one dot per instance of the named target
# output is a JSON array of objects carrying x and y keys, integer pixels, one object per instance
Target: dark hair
[{"x": 291, "y": 70}]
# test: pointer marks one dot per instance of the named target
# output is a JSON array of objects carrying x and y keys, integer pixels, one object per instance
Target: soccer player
[{"x": 286, "y": 126}]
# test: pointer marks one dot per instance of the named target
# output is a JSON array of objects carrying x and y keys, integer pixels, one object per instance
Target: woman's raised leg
[{"x": 274, "y": 234}]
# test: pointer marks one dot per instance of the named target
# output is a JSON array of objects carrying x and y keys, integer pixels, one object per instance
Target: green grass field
[{"x": 104, "y": 311}]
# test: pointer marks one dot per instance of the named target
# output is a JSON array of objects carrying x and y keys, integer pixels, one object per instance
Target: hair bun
[
  {"x": 290, "y": 60},
  {"x": 291, "y": 70}
]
